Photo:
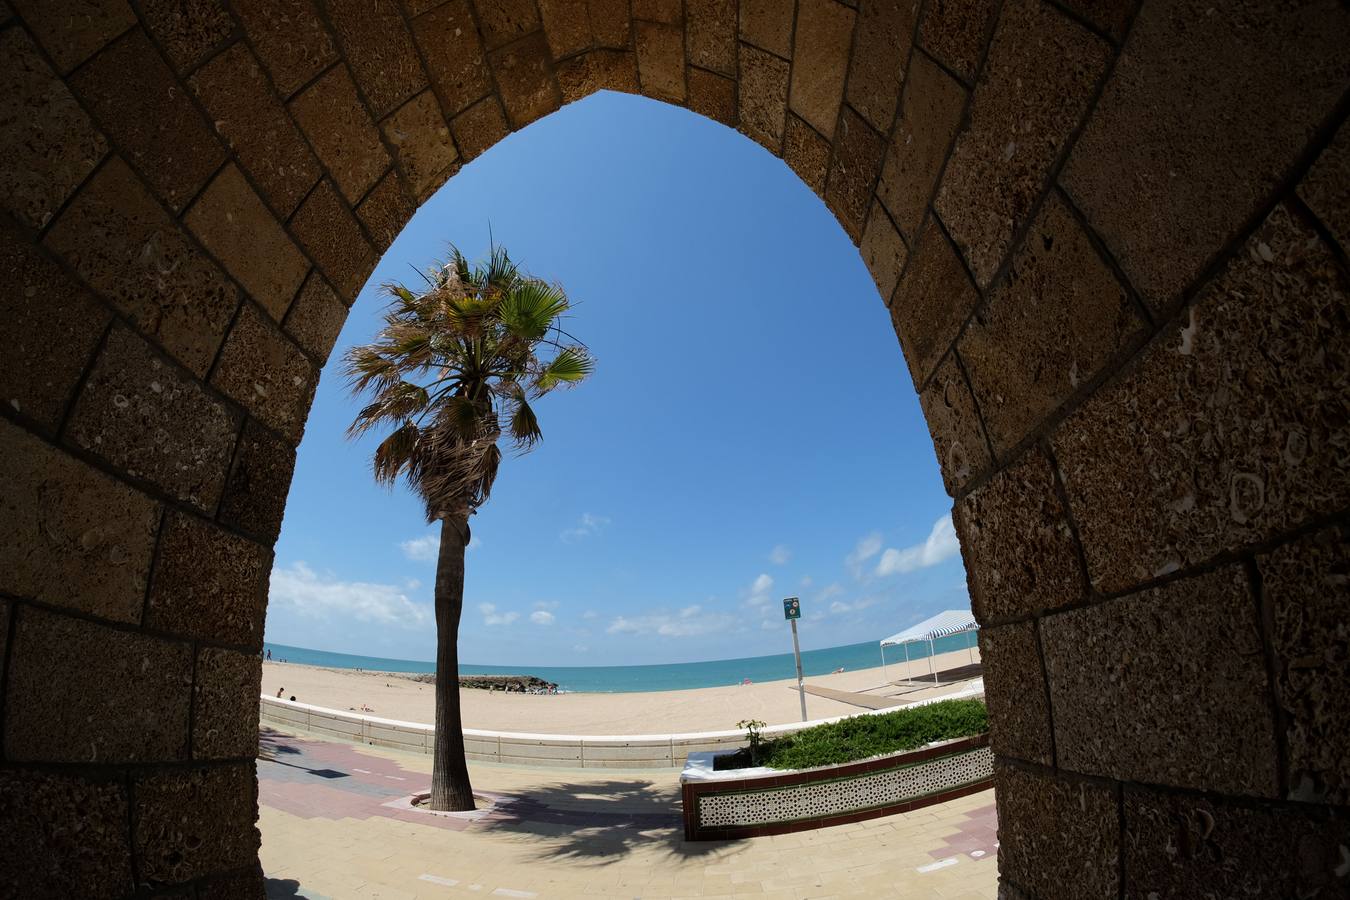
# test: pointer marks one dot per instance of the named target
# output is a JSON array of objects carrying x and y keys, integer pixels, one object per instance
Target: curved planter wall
[{"x": 727, "y": 805}]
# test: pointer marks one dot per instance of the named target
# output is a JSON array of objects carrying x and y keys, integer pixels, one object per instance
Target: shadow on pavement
[
  {"x": 601, "y": 822},
  {"x": 285, "y": 888}
]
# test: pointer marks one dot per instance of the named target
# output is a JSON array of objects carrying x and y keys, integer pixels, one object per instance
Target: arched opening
[{"x": 1115, "y": 260}]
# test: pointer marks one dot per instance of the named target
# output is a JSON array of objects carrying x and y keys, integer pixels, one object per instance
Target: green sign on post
[{"x": 792, "y": 608}]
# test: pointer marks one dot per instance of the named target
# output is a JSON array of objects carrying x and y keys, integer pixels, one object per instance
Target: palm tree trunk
[{"x": 450, "y": 788}]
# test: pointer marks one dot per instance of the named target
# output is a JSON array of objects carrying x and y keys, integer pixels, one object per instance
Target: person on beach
[
  {"x": 269, "y": 655},
  {"x": 279, "y": 690}
]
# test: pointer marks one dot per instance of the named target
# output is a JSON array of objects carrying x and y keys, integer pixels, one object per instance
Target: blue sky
[{"x": 750, "y": 433}]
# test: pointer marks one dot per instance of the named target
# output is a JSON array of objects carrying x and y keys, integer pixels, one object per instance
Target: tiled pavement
[{"x": 333, "y": 826}]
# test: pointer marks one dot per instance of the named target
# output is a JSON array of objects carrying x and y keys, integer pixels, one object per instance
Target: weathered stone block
[
  {"x": 255, "y": 497},
  {"x": 380, "y": 51},
  {"x": 1166, "y": 182},
  {"x": 174, "y": 842},
  {"x": 209, "y": 584},
  {"x": 1307, "y": 590},
  {"x": 290, "y": 38},
  {"x": 49, "y": 326},
  {"x": 1055, "y": 321},
  {"x": 767, "y": 24},
  {"x": 74, "y": 30},
  {"x": 232, "y": 222},
  {"x": 225, "y": 704},
  {"x": 710, "y": 35},
  {"x": 597, "y": 70},
  {"x": 342, "y": 133},
  {"x": 148, "y": 419},
  {"x": 1059, "y": 839},
  {"x": 1019, "y": 549},
  {"x": 1228, "y": 430},
  {"x": 1326, "y": 187},
  {"x": 660, "y": 58},
  {"x": 250, "y": 118},
  {"x": 1184, "y": 846},
  {"x": 524, "y": 72},
  {"x": 1014, "y": 690},
  {"x": 503, "y": 21},
  {"x": 763, "y": 98},
  {"x": 712, "y": 96},
  {"x": 853, "y": 172},
  {"x": 421, "y": 138},
  {"x": 69, "y": 535},
  {"x": 881, "y": 47},
  {"x": 823, "y": 39},
  {"x": 1166, "y": 686},
  {"x": 957, "y": 32},
  {"x": 567, "y": 25},
  {"x": 48, "y": 143},
  {"x": 1033, "y": 91},
  {"x": 667, "y": 12},
  {"x": 385, "y": 211},
  {"x": 932, "y": 302},
  {"x": 124, "y": 696},
  {"x": 64, "y": 836},
  {"x": 454, "y": 53},
  {"x": 958, "y": 437},
  {"x": 332, "y": 238},
  {"x": 928, "y": 122},
  {"x": 122, "y": 243},
  {"x": 611, "y": 23},
  {"x": 883, "y": 251},
  {"x": 146, "y": 111},
  {"x": 479, "y": 127},
  {"x": 315, "y": 318},
  {"x": 187, "y": 29},
  {"x": 264, "y": 372},
  {"x": 806, "y": 152},
  {"x": 1111, "y": 16}
]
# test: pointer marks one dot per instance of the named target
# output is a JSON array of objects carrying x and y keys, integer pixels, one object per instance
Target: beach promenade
[{"x": 333, "y": 827}]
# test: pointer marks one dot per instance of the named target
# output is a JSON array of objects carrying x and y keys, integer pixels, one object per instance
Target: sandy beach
[{"x": 700, "y": 709}]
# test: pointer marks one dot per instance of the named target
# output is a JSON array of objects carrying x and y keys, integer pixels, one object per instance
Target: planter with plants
[{"x": 844, "y": 771}]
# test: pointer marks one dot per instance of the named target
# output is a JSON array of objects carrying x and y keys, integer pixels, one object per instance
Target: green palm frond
[
  {"x": 524, "y": 425},
  {"x": 570, "y": 366},
  {"x": 531, "y": 309}
]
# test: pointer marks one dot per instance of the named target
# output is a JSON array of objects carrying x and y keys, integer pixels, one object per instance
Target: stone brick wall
[{"x": 1113, "y": 241}]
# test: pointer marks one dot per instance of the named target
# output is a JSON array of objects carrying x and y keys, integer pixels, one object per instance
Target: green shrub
[{"x": 861, "y": 737}]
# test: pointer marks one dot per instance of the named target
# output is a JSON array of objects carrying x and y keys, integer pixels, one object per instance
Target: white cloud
[
  {"x": 542, "y": 617},
  {"x": 941, "y": 545},
  {"x": 840, "y": 607},
  {"x": 867, "y": 548},
  {"x": 322, "y": 596},
  {"x": 780, "y": 554},
  {"x": 828, "y": 591},
  {"x": 758, "y": 592},
  {"x": 688, "y": 622},
  {"x": 492, "y": 617},
  {"x": 590, "y": 614},
  {"x": 589, "y": 524},
  {"x": 423, "y": 549}
]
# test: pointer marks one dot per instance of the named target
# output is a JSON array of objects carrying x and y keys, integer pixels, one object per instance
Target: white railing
[{"x": 611, "y": 751}]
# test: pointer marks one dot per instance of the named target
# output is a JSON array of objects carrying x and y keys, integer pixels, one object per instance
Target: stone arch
[{"x": 1113, "y": 242}]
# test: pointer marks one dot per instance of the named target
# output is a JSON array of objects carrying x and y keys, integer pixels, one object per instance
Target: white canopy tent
[{"x": 952, "y": 621}]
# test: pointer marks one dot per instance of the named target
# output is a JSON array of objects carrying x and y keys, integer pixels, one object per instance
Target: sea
[{"x": 666, "y": 677}]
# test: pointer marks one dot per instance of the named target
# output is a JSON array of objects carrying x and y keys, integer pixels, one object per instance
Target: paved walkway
[{"x": 334, "y": 826}]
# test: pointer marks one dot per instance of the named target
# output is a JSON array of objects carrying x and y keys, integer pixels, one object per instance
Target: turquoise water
[{"x": 669, "y": 677}]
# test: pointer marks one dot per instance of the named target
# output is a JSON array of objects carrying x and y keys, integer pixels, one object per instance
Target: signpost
[{"x": 792, "y": 611}]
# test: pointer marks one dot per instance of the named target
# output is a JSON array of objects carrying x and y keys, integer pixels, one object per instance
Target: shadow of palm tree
[
  {"x": 602, "y": 821},
  {"x": 272, "y": 743}
]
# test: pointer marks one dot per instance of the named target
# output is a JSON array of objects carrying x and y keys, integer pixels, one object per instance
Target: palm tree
[{"x": 454, "y": 370}]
